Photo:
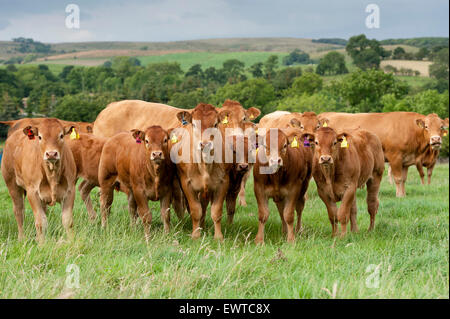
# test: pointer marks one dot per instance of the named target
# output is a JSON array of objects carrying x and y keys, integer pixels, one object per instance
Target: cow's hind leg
[
  {"x": 280, "y": 207},
  {"x": 106, "y": 198},
  {"x": 85, "y": 189},
  {"x": 242, "y": 200},
  {"x": 353, "y": 213},
  {"x": 396, "y": 168},
  {"x": 132, "y": 209},
  {"x": 373, "y": 186}
]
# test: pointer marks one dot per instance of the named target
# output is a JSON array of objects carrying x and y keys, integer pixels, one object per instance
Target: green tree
[
  {"x": 364, "y": 52},
  {"x": 256, "y": 70},
  {"x": 254, "y": 92},
  {"x": 234, "y": 70},
  {"x": 440, "y": 67},
  {"x": 8, "y": 111},
  {"x": 331, "y": 64},
  {"x": 270, "y": 67},
  {"x": 308, "y": 83},
  {"x": 296, "y": 56},
  {"x": 361, "y": 91},
  {"x": 399, "y": 53}
]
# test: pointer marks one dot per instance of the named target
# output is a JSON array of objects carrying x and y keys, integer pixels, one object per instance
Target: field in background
[
  {"x": 421, "y": 66},
  {"x": 409, "y": 246}
]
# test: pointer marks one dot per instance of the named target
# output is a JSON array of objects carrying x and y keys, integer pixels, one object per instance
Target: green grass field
[
  {"x": 208, "y": 59},
  {"x": 410, "y": 247}
]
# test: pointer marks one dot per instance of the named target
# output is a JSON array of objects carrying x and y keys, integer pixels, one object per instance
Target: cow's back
[
  {"x": 126, "y": 115},
  {"x": 86, "y": 152},
  {"x": 370, "y": 153},
  {"x": 277, "y": 119},
  {"x": 396, "y": 130}
]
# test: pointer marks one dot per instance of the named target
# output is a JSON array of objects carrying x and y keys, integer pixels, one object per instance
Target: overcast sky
[{"x": 169, "y": 20}]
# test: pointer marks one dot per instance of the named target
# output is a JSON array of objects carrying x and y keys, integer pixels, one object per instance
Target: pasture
[{"x": 405, "y": 257}]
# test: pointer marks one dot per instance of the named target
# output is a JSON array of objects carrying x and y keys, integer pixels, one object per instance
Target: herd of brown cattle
[{"x": 128, "y": 149}]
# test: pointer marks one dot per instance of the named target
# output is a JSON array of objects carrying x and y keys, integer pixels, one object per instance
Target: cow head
[
  {"x": 202, "y": 118},
  {"x": 155, "y": 139},
  {"x": 241, "y": 149},
  {"x": 50, "y": 136},
  {"x": 238, "y": 116},
  {"x": 307, "y": 122},
  {"x": 434, "y": 128},
  {"x": 326, "y": 144},
  {"x": 274, "y": 148}
]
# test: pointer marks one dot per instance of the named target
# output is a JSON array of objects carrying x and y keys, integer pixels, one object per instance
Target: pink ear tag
[
  {"x": 138, "y": 140},
  {"x": 306, "y": 143}
]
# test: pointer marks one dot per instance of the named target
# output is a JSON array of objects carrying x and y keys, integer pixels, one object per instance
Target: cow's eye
[
  {"x": 334, "y": 143},
  {"x": 426, "y": 126},
  {"x": 61, "y": 136},
  {"x": 165, "y": 140},
  {"x": 40, "y": 137},
  {"x": 302, "y": 127},
  {"x": 317, "y": 143},
  {"x": 146, "y": 141}
]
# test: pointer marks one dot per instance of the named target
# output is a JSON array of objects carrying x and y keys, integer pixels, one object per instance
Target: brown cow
[
  {"x": 140, "y": 161},
  {"x": 342, "y": 163},
  {"x": 286, "y": 179},
  {"x": 202, "y": 181},
  {"x": 239, "y": 170},
  {"x": 86, "y": 151},
  {"x": 38, "y": 163},
  {"x": 126, "y": 115},
  {"x": 404, "y": 136},
  {"x": 427, "y": 159},
  {"x": 81, "y": 127}
]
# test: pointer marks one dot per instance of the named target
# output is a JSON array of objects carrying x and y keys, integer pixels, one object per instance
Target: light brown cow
[
  {"x": 342, "y": 163},
  {"x": 404, "y": 136},
  {"x": 140, "y": 161},
  {"x": 202, "y": 181},
  {"x": 38, "y": 163},
  {"x": 81, "y": 127},
  {"x": 239, "y": 170},
  {"x": 308, "y": 122},
  {"x": 126, "y": 115},
  {"x": 286, "y": 179},
  {"x": 86, "y": 150},
  {"x": 427, "y": 159}
]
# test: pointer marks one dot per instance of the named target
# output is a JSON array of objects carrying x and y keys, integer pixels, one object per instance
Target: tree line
[{"x": 80, "y": 93}]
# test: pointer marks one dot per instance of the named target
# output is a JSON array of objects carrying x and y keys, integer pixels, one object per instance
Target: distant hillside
[{"x": 425, "y": 42}]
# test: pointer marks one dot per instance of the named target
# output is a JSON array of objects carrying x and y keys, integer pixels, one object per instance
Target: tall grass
[{"x": 409, "y": 246}]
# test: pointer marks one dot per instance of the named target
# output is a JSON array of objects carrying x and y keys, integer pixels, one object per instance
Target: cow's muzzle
[
  {"x": 326, "y": 160},
  {"x": 435, "y": 142},
  {"x": 157, "y": 156},
  {"x": 51, "y": 156}
]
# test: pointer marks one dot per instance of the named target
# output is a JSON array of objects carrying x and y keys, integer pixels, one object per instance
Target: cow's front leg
[
  {"x": 40, "y": 219},
  {"x": 288, "y": 214},
  {"x": 165, "y": 211},
  {"x": 263, "y": 212},
  {"x": 67, "y": 212},
  {"x": 216, "y": 211},
  {"x": 345, "y": 208}
]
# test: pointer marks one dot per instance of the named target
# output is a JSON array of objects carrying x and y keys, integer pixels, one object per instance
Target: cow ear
[
  {"x": 324, "y": 122},
  {"x": 295, "y": 123},
  {"x": 340, "y": 137},
  {"x": 31, "y": 132},
  {"x": 223, "y": 116},
  {"x": 184, "y": 117},
  {"x": 446, "y": 122},
  {"x": 252, "y": 113},
  {"x": 138, "y": 135},
  {"x": 420, "y": 123},
  {"x": 68, "y": 129},
  {"x": 308, "y": 137},
  {"x": 89, "y": 129}
]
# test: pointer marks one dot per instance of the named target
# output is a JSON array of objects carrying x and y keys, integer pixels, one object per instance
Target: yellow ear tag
[
  {"x": 294, "y": 142},
  {"x": 225, "y": 120},
  {"x": 325, "y": 124},
  {"x": 74, "y": 135},
  {"x": 344, "y": 143},
  {"x": 256, "y": 152},
  {"x": 252, "y": 117},
  {"x": 445, "y": 134},
  {"x": 174, "y": 139}
]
